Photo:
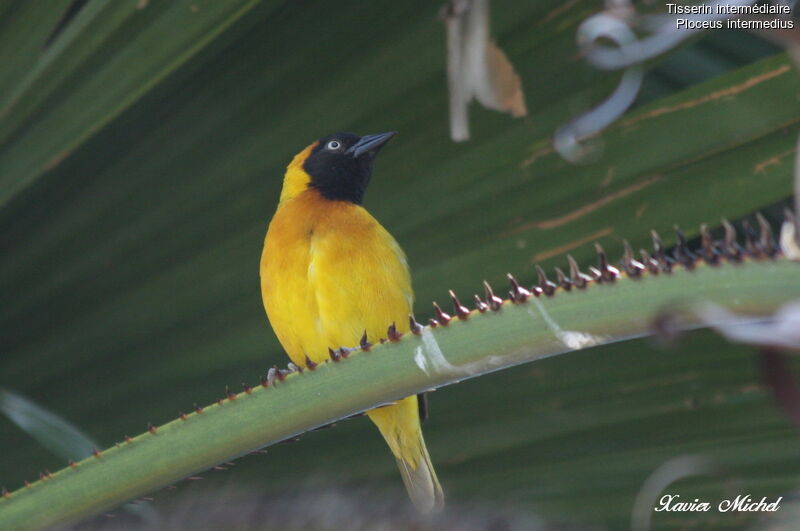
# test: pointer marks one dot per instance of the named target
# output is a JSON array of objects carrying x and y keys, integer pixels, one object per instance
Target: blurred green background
[{"x": 141, "y": 157}]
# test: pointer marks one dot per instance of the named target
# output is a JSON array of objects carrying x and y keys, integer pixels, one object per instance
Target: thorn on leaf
[
  {"x": 461, "y": 311},
  {"x": 493, "y": 301},
  {"x": 441, "y": 317},
  {"x": 414, "y": 326},
  {"x": 333, "y": 355},
  {"x": 562, "y": 279},
  {"x": 518, "y": 293},
  {"x": 364, "y": 343},
  {"x": 392, "y": 334}
]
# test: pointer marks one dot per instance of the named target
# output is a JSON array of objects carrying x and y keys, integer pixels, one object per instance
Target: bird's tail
[{"x": 399, "y": 425}]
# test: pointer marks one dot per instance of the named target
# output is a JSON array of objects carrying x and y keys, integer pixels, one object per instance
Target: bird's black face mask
[{"x": 340, "y": 165}]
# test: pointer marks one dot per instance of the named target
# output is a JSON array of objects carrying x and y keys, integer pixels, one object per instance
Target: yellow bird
[{"x": 330, "y": 272}]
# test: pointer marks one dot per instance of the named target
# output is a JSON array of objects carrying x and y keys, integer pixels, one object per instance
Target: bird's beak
[{"x": 370, "y": 144}]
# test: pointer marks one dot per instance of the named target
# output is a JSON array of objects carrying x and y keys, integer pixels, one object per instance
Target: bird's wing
[{"x": 361, "y": 281}]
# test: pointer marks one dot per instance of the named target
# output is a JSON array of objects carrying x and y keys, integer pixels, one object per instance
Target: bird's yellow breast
[{"x": 329, "y": 272}]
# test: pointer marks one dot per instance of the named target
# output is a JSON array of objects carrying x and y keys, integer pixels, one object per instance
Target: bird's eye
[{"x": 334, "y": 145}]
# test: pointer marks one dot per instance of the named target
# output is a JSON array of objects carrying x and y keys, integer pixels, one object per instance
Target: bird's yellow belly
[{"x": 330, "y": 272}]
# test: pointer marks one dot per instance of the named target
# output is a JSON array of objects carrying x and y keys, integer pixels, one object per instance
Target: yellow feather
[{"x": 330, "y": 272}]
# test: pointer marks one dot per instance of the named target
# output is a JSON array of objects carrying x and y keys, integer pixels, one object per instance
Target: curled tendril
[
  {"x": 665, "y": 36},
  {"x": 569, "y": 138},
  {"x": 626, "y": 52}
]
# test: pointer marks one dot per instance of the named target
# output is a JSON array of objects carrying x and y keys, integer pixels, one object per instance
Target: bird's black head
[{"x": 340, "y": 165}]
